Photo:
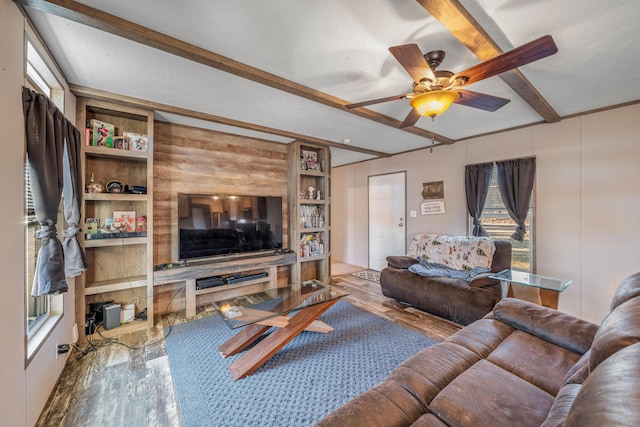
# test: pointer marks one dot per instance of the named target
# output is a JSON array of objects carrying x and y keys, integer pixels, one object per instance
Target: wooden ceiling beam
[
  {"x": 464, "y": 27},
  {"x": 82, "y": 91},
  {"x": 103, "y": 21}
]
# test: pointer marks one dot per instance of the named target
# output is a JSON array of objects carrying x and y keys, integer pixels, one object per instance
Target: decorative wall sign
[
  {"x": 433, "y": 195},
  {"x": 431, "y": 207},
  {"x": 433, "y": 190}
]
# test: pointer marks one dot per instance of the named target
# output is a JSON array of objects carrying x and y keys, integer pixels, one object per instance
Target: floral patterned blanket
[{"x": 456, "y": 252}]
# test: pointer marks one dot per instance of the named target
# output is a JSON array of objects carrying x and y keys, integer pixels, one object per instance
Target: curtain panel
[
  {"x": 476, "y": 182},
  {"x": 53, "y": 159},
  {"x": 515, "y": 180}
]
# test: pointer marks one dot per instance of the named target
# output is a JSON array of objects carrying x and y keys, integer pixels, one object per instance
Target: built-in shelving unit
[
  {"x": 120, "y": 268},
  {"x": 310, "y": 211}
]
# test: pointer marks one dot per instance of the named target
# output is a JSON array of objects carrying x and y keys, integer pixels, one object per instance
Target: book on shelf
[
  {"x": 311, "y": 245},
  {"x": 310, "y": 217}
]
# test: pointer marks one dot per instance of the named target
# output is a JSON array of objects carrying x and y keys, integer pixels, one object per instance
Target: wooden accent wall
[{"x": 201, "y": 161}]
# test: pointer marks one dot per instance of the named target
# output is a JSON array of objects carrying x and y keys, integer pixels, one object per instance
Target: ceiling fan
[{"x": 435, "y": 90}]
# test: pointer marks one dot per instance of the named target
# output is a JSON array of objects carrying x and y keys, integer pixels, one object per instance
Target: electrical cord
[{"x": 93, "y": 345}]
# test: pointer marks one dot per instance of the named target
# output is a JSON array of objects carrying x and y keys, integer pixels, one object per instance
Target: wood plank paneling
[{"x": 192, "y": 160}]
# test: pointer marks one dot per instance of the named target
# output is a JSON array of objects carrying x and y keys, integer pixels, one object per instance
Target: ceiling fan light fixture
[{"x": 433, "y": 103}]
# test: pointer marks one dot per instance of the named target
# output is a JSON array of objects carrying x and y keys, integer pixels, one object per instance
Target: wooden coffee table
[{"x": 258, "y": 312}]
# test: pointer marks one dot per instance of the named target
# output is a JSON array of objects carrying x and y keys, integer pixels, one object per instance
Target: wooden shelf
[
  {"x": 111, "y": 197},
  {"x": 312, "y": 202},
  {"x": 312, "y": 173},
  {"x": 105, "y": 243},
  {"x": 94, "y": 151},
  {"x": 313, "y": 258},
  {"x": 122, "y": 264},
  {"x": 115, "y": 285},
  {"x": 265, "y": 279},
  {"x": 318, "y": 266},
  {"x": 189, "y": 274},
  {"x": 133, "y": 326}
]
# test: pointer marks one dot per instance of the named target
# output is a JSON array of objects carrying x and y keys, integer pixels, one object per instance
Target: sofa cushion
[
  {"x": 559, "y": 328},
  {"x": 482, "y": 336},
  {"x": 429, "y": 420},
  {"x": 561, "y": 405},
  {"x": 457, "y": 252},
  {"x": 578, "y": 372},
  {"x": 385, "y": 405},
  {"x": 427, "y": 372},
  {"x": 401, "y": 261},
  {"x": 628, "y": 288},
  {"x": 611, "y": 394},
  {"x": 487, "y": 395},
  {"x": 619, "y": 329},
  {"x": 535, "y": 360}
]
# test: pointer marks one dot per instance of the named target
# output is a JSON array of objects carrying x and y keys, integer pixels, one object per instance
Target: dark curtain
[
  {"x": 75, "y": 260},
  {"x": 515, "y": 180},
  {"x": 476, "y": 182},
  {"x": 48, "y": 142}
]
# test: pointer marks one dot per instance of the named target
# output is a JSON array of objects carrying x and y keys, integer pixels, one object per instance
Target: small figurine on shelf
[
  {"x": 318, "y": 196},
  {"x": 310, "y": 192}
]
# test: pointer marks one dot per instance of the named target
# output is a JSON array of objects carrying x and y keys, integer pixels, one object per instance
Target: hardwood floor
[{"x": 127, "y": 381}]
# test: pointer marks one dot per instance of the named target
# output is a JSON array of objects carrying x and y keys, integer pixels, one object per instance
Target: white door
[{"x": 387, "y": 209}]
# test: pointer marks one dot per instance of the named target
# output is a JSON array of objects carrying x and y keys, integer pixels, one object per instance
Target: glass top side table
[{"x": 543, "y": 289}]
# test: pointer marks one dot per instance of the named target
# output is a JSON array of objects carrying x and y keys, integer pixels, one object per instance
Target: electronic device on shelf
[
  {"x": 238, "y": 278},
  {"x": 209, "y": 282},
  {"x": 213, "y": 225}
]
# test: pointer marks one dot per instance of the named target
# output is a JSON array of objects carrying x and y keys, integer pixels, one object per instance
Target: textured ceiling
[{"x": 340, "y": 48}]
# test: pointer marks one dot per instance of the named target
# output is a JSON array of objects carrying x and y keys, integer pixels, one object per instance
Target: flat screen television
[{"x": 216, "y": 225}]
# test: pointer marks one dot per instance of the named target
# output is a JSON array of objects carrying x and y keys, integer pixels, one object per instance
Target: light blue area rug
[{"x": 309, "y": 378}]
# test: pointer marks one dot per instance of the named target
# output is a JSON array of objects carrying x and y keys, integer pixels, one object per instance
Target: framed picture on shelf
[
  {"x": 310, "y": 155},
  {"x": 309, "y": 161},
  {"x": 124, "y": 221}
]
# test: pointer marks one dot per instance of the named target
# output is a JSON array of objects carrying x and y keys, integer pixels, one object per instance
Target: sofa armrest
[
  {"x": 401, "y": 261},
  {"x": 559, "y": 328},
  {"x": 482, "y": 280}
]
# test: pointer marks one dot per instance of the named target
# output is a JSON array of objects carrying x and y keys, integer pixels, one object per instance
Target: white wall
[
  {"x": 587, "y": 190},
  {"x": 25, "y": 387}
]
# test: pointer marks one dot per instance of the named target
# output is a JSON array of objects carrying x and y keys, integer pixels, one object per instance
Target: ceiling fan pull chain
[{"x": 433, "y": 133}]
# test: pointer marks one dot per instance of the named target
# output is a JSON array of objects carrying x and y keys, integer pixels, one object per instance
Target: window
[
  {"x": 496, "y": 221},
  {"x": 40, "y": 309},
  {"x": 37, "y": 307},
  {"x": 41, "y": 78}
]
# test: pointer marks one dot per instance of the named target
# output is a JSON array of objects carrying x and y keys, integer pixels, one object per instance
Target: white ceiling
[{"x": 340, "y": 48}]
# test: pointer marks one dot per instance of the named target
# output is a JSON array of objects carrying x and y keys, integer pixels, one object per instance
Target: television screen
[{"x": 213, "y": 225}]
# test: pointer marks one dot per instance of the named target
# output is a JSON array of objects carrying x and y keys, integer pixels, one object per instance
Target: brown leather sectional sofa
[
  {"x": 454, "y": 299},
  {"x": 521, "y": 365}
]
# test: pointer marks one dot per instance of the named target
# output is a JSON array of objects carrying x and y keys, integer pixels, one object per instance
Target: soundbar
[
  {"x": 209, "y": 282},
  {"x": 240, "y": 278}
]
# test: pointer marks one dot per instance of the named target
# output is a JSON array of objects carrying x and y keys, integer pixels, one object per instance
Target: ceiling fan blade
[
  {"x": 378, "y": 101},
  {"x": 411, "y": 119},
  {"x": 480, "y": 100},
  {"x": 410, "y": 57},
  {"x": 525, "y": 54}
]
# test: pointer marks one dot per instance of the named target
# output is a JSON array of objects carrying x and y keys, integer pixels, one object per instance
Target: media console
[{"x": 241, "y": 275}]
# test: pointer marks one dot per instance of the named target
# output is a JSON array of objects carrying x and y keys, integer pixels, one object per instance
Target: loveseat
[
  {"x": 521, "y": 365},
  {"x": 460, "y": 298}
]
